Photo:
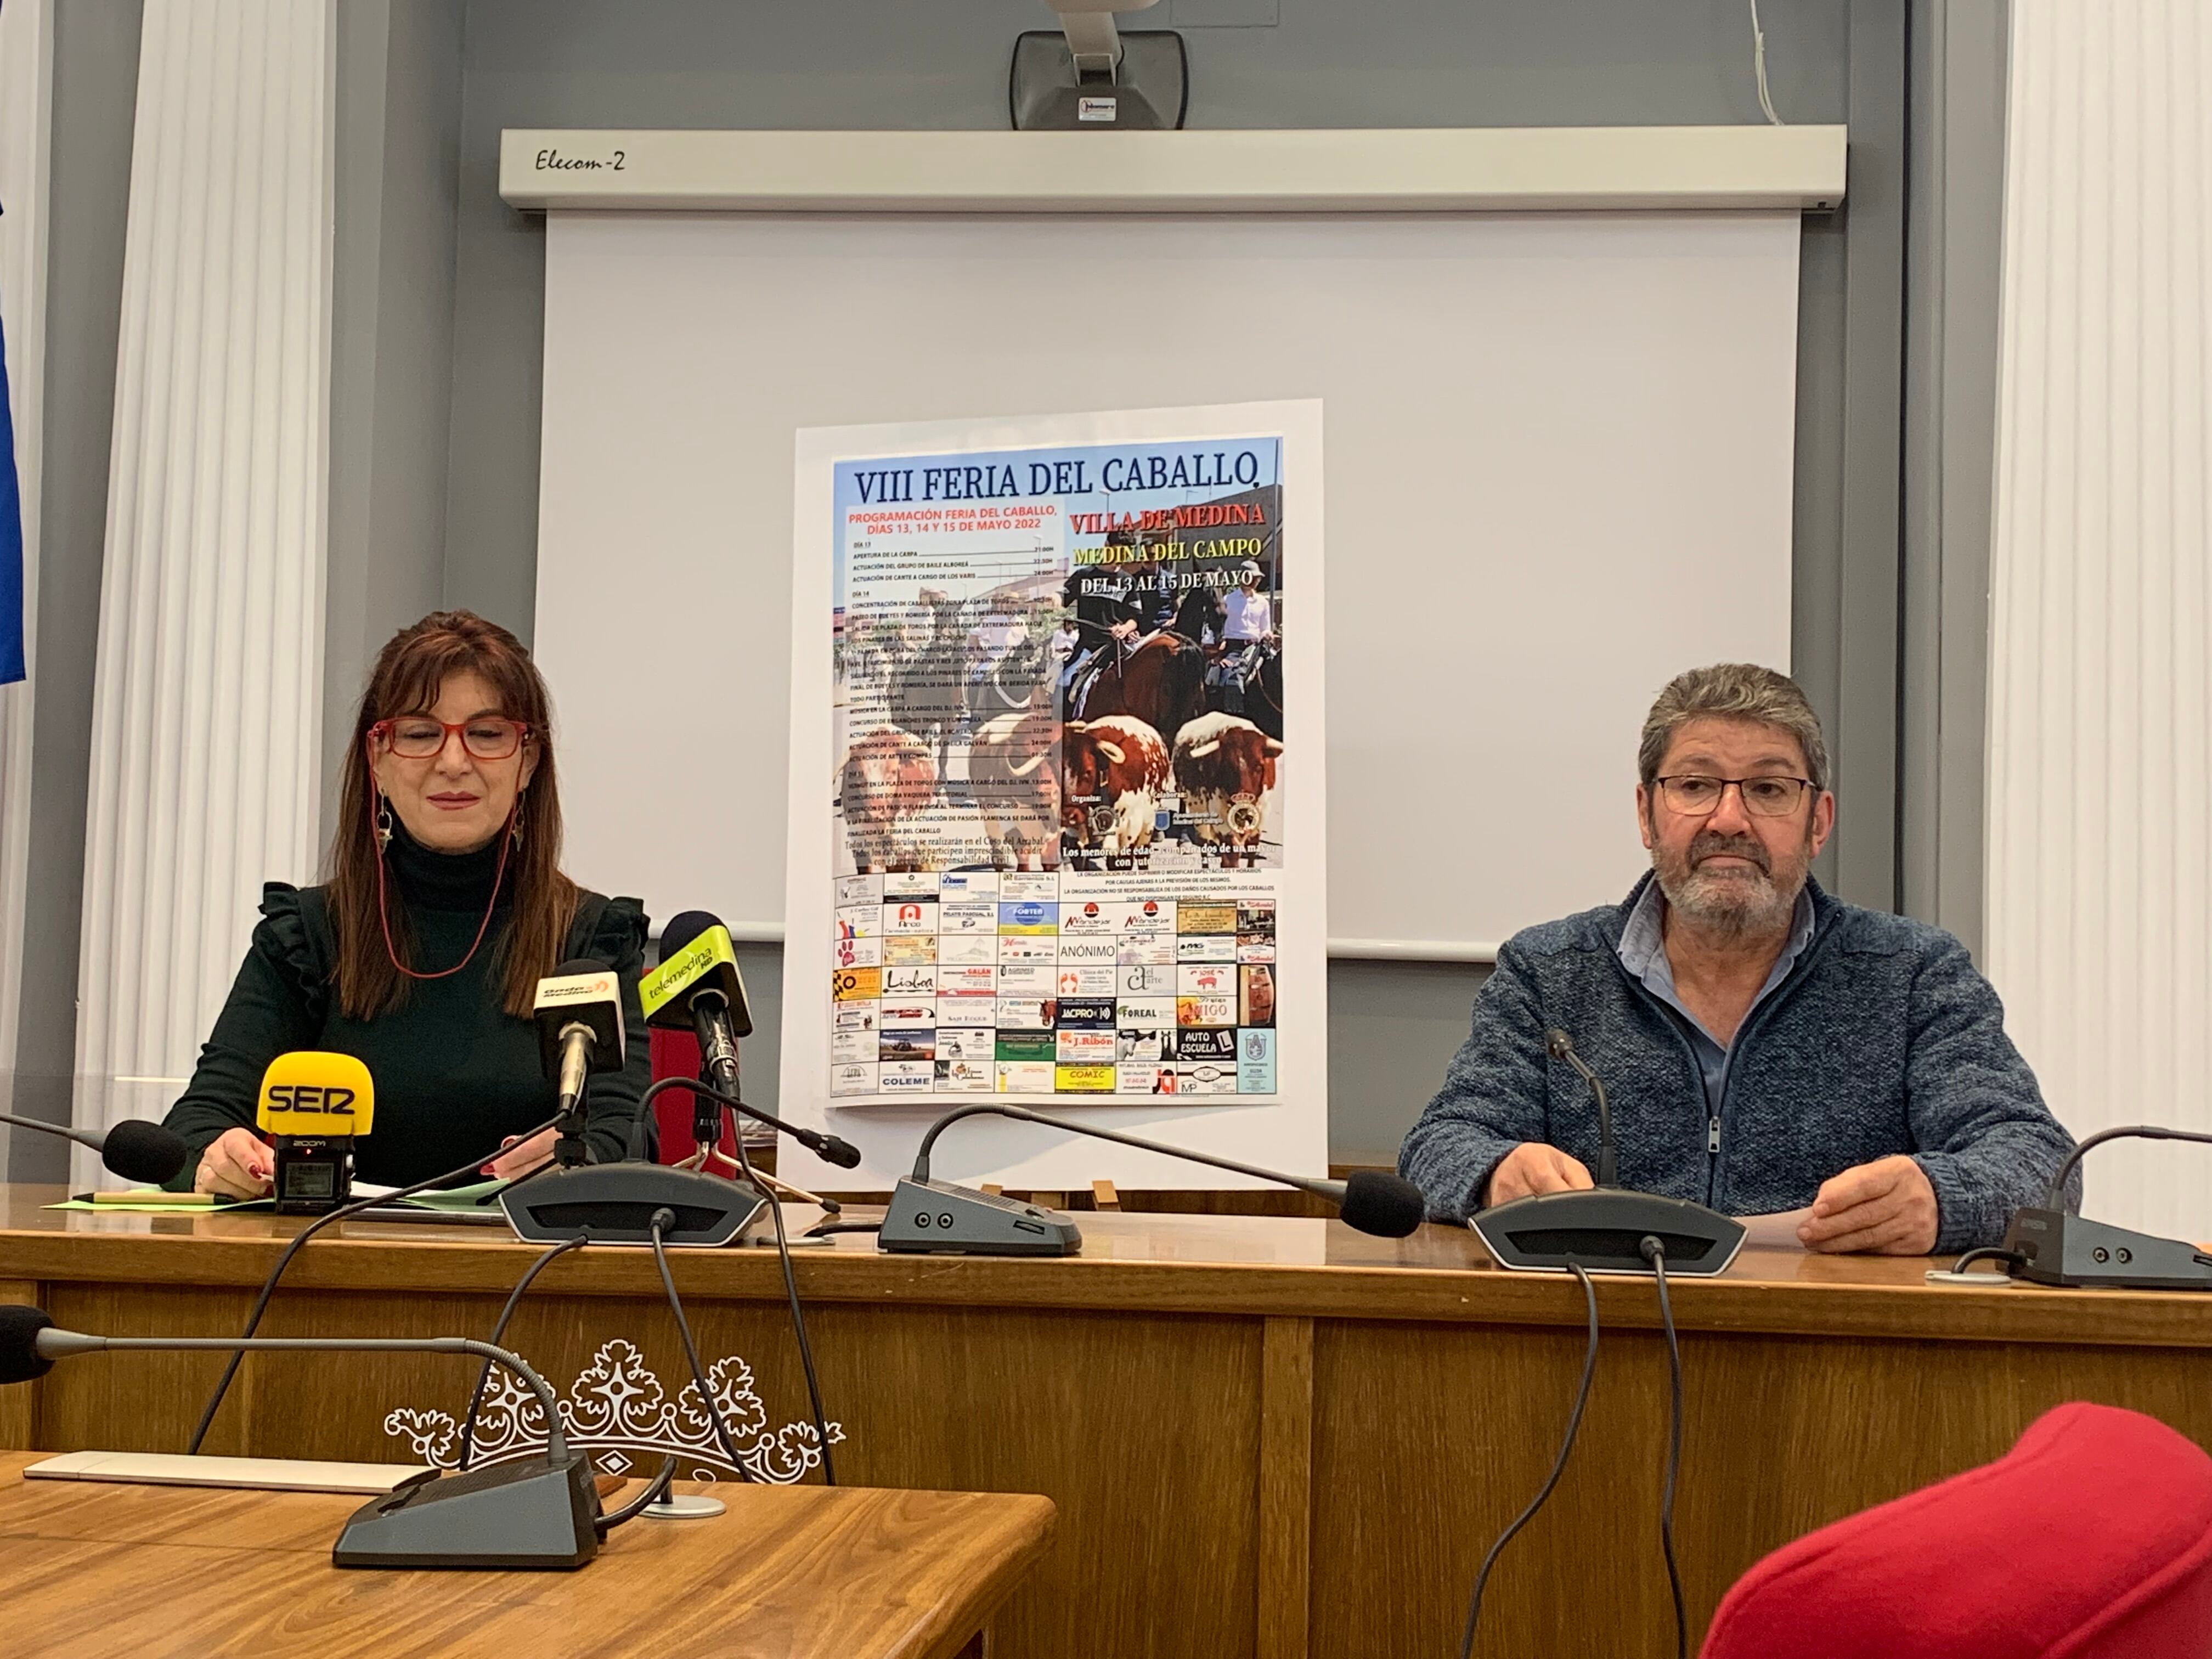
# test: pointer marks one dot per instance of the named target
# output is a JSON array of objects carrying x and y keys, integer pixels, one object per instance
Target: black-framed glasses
[
  {"x": 418, "y": 736},
  {"x": 1696, "y": 797}
]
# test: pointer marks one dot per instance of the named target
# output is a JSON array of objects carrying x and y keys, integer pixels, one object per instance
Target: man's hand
[
  {"x": 235, "y": 1165},
  {"x": 1532, "y": 1168},
  {"x": 1886, "y": 1208}
]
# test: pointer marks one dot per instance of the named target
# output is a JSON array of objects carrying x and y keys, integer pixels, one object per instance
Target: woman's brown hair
[{"x": 410, "y": 671}]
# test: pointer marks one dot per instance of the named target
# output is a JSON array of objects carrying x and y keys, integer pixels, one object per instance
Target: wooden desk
[
  {"x": 788, "y": 1573},
  {"x": 1266, "y": 1436}
]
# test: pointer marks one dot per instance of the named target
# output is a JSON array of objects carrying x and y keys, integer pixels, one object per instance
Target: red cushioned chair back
[{"x": 2091, "y": 1539}]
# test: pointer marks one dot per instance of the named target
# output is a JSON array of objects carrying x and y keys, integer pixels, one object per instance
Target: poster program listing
[{"x": 1034, "y": 983}]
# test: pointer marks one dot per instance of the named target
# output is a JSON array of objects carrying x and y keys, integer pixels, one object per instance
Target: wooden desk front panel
[{"x": 1428, "y": 1441}]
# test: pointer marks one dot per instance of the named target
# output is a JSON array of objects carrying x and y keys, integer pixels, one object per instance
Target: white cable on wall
[{"x": 1758, "y": 66}]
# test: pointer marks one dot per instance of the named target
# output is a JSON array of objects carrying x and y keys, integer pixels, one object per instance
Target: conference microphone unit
[
  {"x": 136, "y": 1150},
  {"x": 942, "y": 1218},
  {"x": 579, "y": 1027},
  {"x": 1604, "y": 1229},
  {"x": 2046, "y": 1246},
  {"x": 311, "y": 1106},
  {"x": 533, "y": 1513}
]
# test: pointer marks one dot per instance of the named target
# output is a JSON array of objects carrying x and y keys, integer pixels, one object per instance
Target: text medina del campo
[{"x": 1221, "y": 470}]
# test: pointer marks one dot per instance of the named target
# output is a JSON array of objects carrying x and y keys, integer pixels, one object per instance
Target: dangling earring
[
  {"x": 514, "y": 820},
  {"x": 383, "y": 826}
]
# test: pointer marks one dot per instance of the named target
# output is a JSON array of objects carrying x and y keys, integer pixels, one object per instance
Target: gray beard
[{"x": 1740, "y": 904}]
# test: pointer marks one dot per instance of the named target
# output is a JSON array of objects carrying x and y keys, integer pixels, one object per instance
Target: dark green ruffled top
[{"x": 453, "y": 1071}]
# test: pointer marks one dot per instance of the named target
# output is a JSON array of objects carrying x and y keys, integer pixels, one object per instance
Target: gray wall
[
  {"x": 438, "y": 314},
  {"x": 95, "y": 84},
  {"x": 398, "y": 106}
]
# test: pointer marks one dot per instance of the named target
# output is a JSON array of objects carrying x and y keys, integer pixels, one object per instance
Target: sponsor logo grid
[{"x": 971, "y": 982}]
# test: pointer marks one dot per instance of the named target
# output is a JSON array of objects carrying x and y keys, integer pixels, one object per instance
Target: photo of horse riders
[{"x": 1170, "y": 699}]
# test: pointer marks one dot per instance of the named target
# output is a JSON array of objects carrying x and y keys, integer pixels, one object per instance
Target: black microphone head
[
  {"x": 1375, "y": 1201},
  {"x": 20, "y": 1359},
  {"x": 581, "y": 965},
  {"x": 836, "y": 1150},
  {"x": 142, "y": 1152},
  {"x": 681, "y": 928},
  {"x": 1557, "y": 1043}
]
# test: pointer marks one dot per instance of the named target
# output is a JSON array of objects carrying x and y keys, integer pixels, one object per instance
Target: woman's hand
[
  {"x": 235, "y": 1165},
  {"x": 520, "y": 1156}
]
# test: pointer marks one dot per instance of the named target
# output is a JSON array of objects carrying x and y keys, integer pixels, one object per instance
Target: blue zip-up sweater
[{"x": 1883, "y": 1039}]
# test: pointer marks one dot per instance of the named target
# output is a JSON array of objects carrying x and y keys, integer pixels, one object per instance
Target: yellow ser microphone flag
[{"x": 313, "y": 1105}]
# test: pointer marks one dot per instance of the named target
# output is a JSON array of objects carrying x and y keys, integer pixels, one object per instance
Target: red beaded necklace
[{"x": 498, "y": 875}]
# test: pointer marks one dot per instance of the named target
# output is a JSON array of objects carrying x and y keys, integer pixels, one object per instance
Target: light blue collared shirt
[{"x": 1644, "y": 953}]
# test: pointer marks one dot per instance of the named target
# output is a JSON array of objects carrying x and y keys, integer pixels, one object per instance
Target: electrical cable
[
  {"x": 1654, "y": 1252},
  {"x": 1559, "y": 1465},
  {"x": 499, "y": 1330},
  {"x": 663, "y": 1218},
  {"x": 1990, "y": 1253},
  {"x": 738, "y": 1108},
  {"x": 1758, "y": 66},
  {"x": 655, "y": 1490},
  {"x": 329, "y": 1219},
  {"x": 798, "y": 1318}
]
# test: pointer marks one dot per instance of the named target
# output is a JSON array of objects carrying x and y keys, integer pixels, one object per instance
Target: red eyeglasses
[{"x": 418, "y": 736}]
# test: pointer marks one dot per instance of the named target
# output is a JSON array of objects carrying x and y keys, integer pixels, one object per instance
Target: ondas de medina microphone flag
[{"x": 11, "y": 540}]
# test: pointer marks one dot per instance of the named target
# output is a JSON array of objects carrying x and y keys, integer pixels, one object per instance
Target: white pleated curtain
[
  {"x": 207, "y": 707},
  {"x": 25, "y": 105},
  {"x": 2100, "y": 708}
]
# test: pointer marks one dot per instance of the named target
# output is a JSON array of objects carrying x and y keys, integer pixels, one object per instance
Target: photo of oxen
[{"x": 948, "y": 755}]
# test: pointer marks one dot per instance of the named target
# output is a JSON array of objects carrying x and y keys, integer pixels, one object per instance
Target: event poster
[{"x": 1072, "y": 688}]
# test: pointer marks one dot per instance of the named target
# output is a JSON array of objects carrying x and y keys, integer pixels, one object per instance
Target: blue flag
[{"x": 11, "y": 541}]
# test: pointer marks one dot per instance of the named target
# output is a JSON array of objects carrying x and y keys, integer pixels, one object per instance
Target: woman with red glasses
[{"x": 422, "y": 953}]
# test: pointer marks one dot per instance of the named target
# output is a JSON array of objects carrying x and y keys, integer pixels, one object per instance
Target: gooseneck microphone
[
  {"x": 830, "y": 1149},
  {"x": 940, "y": 1217},
  {"x": 134, "y": 1148},
  {"x": 535, "y": 1511},
  {"x": 1560, "y": 1046}
]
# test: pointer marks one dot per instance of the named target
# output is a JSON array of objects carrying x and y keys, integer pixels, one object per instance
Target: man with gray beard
[{"x": 1766, "y": 1046}]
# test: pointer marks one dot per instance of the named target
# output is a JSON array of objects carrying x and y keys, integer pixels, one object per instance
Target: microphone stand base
[
  {"x": 1602, "y": 1229},
  {"x": 936, "y": 1218},
  {"x": 615, "y": 1203},
  {"x": 684, "y": 1506},
  {"x": 528, "y": 1515}
]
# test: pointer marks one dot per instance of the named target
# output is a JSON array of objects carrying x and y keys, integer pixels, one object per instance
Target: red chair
[{"x": 2091, "y": 1539}]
